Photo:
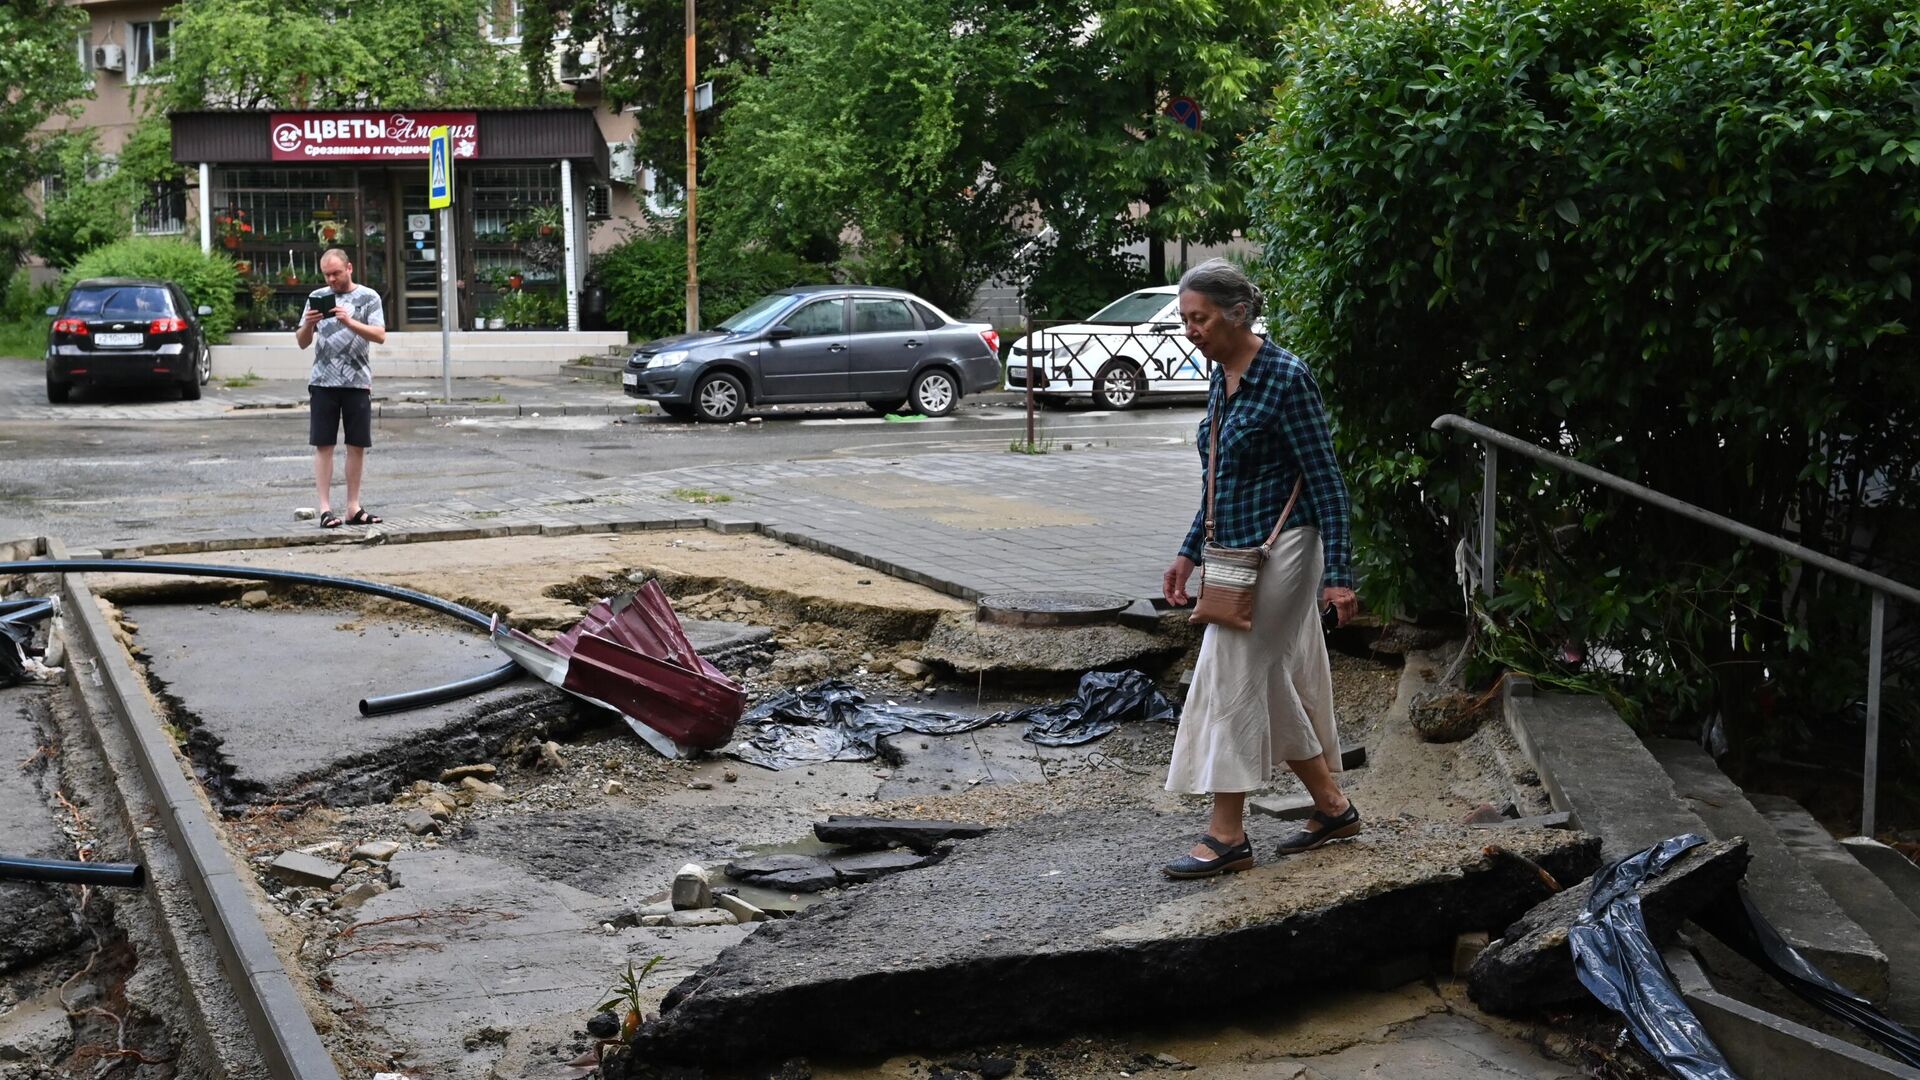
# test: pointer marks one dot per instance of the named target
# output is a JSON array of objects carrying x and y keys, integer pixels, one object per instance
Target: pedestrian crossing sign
[{"x": 439, "y": 169}]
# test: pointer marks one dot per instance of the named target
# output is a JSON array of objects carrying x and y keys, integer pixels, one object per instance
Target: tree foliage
[
  {"x": 645, "y": 276},
  {"x": 1671, "y": 238},
  {"x": 95, "y": 199},
  {"x": 256, "y": 54},
  {"x": 41, "y": 78}
]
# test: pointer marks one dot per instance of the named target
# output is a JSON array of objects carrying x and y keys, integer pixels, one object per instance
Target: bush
[
  {"x": 209, "y": 280},
  {"x": 1673, "y": 239},
  {"x": 646, "y": 281},
  {"x": 23, "y": 316}
]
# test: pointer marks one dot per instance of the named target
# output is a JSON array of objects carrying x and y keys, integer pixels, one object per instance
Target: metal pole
[
  {"x": 693, "y": 187},
  {"x": 1488, "y": 477},
  {"x": 572, "y": 261},
  {"x": 448, "y": 309},
  {"x": 1032, "y": 344},
  {"x": 206, "y": 209},
  {"x": 1869, "y": 792}
]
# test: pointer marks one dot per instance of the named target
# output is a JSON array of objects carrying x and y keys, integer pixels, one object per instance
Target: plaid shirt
[{"x": 1275, "y": 430}]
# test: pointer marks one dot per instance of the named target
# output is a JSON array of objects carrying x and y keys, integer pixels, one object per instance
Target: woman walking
[{"x": 1264, "y": 694}]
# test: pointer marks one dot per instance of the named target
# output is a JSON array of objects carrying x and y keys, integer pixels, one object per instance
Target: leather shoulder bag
[{"x": 1229, "y": 577}]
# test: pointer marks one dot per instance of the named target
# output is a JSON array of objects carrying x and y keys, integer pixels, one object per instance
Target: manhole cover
[{"x": 1050, "y": 608}]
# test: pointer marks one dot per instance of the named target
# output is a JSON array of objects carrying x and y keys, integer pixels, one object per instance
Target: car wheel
[
  {"x": 190, "y": 390},
  {"x": 935, "y": 393},
  {"x": 57, "y": 391},
  {"x": 205, "y": 371},
  {"x": 720, "y": 398},
  {"x": 885, "y": 408},
  {"x": 1118, "y": 385},
  {"x": 676, "y": 410}
]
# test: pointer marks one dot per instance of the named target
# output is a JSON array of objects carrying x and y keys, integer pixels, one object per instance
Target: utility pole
[{"x": 693, "y": 187}]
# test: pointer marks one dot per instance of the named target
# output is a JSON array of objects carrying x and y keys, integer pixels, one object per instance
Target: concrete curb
[
  {"x": 419, "y": 410},
  {"x": 283, "y": 1033}
]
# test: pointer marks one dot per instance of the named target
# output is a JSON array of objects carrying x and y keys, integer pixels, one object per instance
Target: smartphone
[
  {"x": 324, "y": 303},
  {"x": 1329, "y": 618}
]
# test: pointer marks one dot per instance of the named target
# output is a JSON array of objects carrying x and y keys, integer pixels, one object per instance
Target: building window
[
  {"x": 164, "y": 211},
  {"x": 664, "y": 197},
  {"x": 599, "y": 202},
  {"x": 502, "y": 21},
  {"x": 147, "y": 47},
  {"x": 83, "y": 51},
  {"x": 52, "y": 186}
]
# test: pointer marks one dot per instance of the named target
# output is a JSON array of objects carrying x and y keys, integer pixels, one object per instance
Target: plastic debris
[
  {"x": 832, "y": 721},
  {"x": 1617, "y": 961},
  {"x": 19, "y": 661}
]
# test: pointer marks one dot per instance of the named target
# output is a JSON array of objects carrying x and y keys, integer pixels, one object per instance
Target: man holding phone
[{"x": 342, "y": 322}]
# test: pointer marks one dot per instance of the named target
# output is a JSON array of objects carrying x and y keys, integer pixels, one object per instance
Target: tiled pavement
[{"x": 963, "y": 523}]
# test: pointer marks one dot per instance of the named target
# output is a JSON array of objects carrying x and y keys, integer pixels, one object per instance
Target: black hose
[
  {"x": 435, "y": 695},
  {"x": 389, "y": 703},
  {"x": 32, "y": 609},
  {"x": 62, "y": 872}
]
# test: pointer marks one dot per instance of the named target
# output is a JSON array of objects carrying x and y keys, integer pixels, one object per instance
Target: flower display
[{"x": 233, "y": 227}]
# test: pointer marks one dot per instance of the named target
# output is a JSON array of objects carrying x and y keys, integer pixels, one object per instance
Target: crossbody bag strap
[
  {"x": 1213, "y": 463},
  {"x": 1284, "y": 515}
]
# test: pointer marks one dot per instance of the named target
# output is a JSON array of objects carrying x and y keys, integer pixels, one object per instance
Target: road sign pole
[{"x": 440, "y": 197}]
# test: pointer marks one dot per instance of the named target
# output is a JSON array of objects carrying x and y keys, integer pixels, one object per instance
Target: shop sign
[{"x": 369, "y": 136}]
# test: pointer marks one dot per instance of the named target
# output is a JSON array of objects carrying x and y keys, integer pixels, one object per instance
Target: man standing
[{"x": 342, "y": 322}]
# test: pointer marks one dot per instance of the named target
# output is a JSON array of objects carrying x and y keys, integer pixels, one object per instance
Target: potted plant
[
  {"x": 328, "y": 232},
  {"x": 515, "y": 280},
  {"x": 290, "y": 277},
  {"x": 243, "y": 267},
  {"x": 233, "y": 228}
]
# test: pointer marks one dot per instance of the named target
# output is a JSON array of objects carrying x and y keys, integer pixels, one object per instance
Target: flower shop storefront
[{"x": 279, "y": 188}]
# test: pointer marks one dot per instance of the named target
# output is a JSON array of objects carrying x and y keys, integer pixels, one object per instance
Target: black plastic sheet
[
  {"x": 16, "y": 636},
  {"x": 1735, "y": 921},
  {"x": 1616, "y": 961},
  {"x": 832, "y": 721}
]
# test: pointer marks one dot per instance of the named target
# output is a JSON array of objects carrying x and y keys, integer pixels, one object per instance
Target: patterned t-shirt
[{"x": 340, "y": 356}]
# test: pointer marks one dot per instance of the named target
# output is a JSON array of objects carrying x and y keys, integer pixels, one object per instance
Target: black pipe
[
  {"x": 63, "y": 872},
  {"x": 32, "y": 609},
  {"x": 389, "y": 703},
  {"x": 436, "y": 695}
]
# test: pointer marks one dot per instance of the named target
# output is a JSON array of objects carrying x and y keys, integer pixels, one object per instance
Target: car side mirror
[
  {"x": 54, "y": 310},
  {"x": 203, "y": 310},
  {"x": 779, "y": 333}
]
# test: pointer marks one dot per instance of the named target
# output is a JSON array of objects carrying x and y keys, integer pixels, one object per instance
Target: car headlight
[{"x": 670, "y": 358}]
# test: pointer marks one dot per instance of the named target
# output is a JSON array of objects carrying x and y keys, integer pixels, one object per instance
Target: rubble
[
  {"x": 296, "y": 868},
  {"x": 377, "y": 850},
  {"x": 461, "y": 772},
  {"x": 692, "y": 888},
  {"x": 875, "y": 832},
  {"x": 1531, "y": 966}
]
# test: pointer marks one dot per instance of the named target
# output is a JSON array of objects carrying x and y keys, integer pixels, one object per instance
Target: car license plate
[
  {"x": 630, "y": 378},
  {"x": 118, "y": 341}
]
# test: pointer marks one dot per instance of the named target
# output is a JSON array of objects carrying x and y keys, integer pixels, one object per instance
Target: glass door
[{"x": 418, "y": 248}]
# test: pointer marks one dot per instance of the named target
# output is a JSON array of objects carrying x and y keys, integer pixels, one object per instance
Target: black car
[
  {"x": 886, "y": 347},
  {"x": 126, "y": 332}
]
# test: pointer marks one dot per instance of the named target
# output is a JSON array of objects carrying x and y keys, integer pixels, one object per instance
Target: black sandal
[
  {"x": 361, "y": 517},
  {"x": 329, "y": 520},
  {"x": 1332, "y": 827},
  {"x": 1232, "y": 858}
]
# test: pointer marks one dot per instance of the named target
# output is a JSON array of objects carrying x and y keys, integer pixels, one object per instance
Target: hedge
[{"x": 208, "y": 280}]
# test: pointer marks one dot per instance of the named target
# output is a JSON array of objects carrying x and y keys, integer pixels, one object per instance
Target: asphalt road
[{"x": 93, "y": 480}]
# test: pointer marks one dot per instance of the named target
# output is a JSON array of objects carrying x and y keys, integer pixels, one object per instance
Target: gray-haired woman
[{"x": 1266, "y": 694}]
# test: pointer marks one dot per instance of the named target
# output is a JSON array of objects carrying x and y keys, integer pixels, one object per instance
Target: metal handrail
[{"x": 1493, "y": 441}]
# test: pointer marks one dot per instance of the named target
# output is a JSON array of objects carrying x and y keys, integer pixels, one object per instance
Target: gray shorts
[{"x": 334, "y": 407}]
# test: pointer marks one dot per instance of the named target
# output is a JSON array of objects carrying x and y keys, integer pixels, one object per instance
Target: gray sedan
[{"x": 886, "y": 347}]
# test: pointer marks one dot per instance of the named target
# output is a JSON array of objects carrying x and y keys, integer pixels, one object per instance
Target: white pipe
[
  {"x": 567, "y": 220},
  {"x": 206, "y": 209}
]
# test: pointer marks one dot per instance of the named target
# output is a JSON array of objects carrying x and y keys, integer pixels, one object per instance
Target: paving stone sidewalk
[{"x": 963, "y": 523}]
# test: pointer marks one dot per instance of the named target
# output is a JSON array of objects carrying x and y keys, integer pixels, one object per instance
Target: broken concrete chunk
[
  {"x": 438, "y": 805},
  {"x": 655, "y": 920},
  {"x": 1531, "y": 966},
  {"x": 36, "y": 1029},
  {"x": 1284, "y": 807},
  {"x": 866, "y": 866},
  {"x": 741, "y": 910},
  {"x": 461, "y": 772},
  {"x": 377, "y": 850},
  {"x": 254, "y": 598},
  {"x": 296, "y": 868},
  {"x": 482, "y": 788},
  {"x": 692, "y": 888},
  {"x": 420, "y": 822},
  {"x": 702, "y": 917},
  {"x": 1467, "y": 948},
  {"x": 615, "y": 787},
  {"x": 912, "y": 669},
  {"x": 788, "y": 873},
  {"x": 360, "y": 894},
  {"x": 550, "y": 757},
  {"x": 876, "y": 832}
]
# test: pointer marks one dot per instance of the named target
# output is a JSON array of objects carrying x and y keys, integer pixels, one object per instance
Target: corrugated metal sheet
[{"x": 236, "y": 138}]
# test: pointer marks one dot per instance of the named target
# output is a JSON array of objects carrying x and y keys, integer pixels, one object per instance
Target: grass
[
  {"x": 25, "y": 340},
  {"x": 492, "y": 399},
  {"x": 700, "y": 495},
  {"x": 1022, "y": 446},
  {"x": 241, "y": 382}
]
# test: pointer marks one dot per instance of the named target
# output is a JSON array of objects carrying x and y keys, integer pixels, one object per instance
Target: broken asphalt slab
[
  {"x": 1009, "y": 936},
  {"x": 876, "y": 832}
]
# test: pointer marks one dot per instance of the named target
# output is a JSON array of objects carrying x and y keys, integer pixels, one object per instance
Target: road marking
[
  {"x": 831, "y": 421},
  {"x": 285, "y": 459}
]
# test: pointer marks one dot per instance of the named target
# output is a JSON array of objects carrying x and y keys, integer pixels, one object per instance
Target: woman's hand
[
  {"x": 1344, "y": 602},
  {"x": 1173, "y": 583}
]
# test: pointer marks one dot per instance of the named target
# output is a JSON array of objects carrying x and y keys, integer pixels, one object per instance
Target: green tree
[
  {"x": 96, "y": 196},
  {"x": 42, "y": 78},
  {"x": 1674, "y": 239},
  {"x": 255, "y": 54},
  {"x": 642, "y": 49}
]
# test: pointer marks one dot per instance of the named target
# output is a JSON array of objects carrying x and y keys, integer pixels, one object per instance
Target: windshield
[
  {"x": 1138, "y": 308},
  {"x": 757, "y": 315},
  {"x": 120, "y": 302}
]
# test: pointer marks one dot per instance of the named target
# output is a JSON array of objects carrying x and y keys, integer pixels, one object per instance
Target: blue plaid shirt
[{"x": 1274, "y": 431}]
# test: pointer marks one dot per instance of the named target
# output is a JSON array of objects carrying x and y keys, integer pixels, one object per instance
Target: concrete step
[
  {"x": 591, "y": 373},
  {"x": 1595, "y": 768},
  {"x": 1895, "y": 871},
  {"x": 1863, "y": 896},
  {"x": 1782, "y": 887}
]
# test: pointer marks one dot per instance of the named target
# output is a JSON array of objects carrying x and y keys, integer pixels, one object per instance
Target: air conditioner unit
[
  {"x": 620, "y": 162},
  {"x": 109, "y": 58},
  {"x": 574, "y": 66}
]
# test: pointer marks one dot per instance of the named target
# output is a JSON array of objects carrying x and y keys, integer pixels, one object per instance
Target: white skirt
[{"x": 1261, "y": 696}]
